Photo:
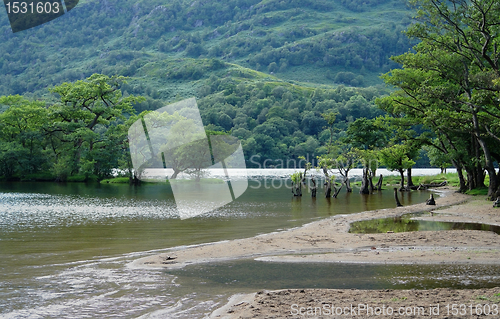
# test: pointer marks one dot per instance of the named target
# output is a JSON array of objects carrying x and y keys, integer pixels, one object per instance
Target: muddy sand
[{"x": 329, "y": 240}]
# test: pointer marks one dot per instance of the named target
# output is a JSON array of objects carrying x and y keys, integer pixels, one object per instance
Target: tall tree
[{"x": 79, "y": 122}]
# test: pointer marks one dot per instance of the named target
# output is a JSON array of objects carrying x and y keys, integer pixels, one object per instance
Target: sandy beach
[
  {"x": 353, "y": 303},
  {"x": 329, "y": 240}
]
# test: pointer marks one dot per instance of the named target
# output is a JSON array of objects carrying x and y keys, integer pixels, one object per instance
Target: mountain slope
[
  {"x": 264, "y": 71},
  {"x": 314, "y": 41}
]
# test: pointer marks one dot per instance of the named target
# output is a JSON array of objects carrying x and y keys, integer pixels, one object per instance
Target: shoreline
[{"x": 329, "y": 240}]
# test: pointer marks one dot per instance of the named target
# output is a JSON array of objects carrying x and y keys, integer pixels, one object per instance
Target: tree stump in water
[
  {"x": 328, "y": 188},
  {"x": 431, "y": 201},
  {"x": 337, "y": 191},
  {"x": 365, "y": 189},
  {"x": 398, "y": 203},
  {"x": 314, "y": 188},
  {"x": 379, "y": 183},
  {"x": 347, "y": 184}
]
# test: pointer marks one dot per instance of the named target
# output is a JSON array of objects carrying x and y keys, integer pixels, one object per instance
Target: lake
[{"x": 65, "y": 249}]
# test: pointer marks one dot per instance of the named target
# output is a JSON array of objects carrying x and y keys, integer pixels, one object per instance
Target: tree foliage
[
  {"x": 449, "y": 84},
  {"x": 84, "y": 132}
]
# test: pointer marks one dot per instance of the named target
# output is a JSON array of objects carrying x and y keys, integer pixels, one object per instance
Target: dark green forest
[{"x": 290, "y": 79}]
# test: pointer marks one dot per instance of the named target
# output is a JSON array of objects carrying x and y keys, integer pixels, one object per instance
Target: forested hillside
[
  {"x": 291, "y": 79},
  {"x": 263, "y": 70},
  {"x": 321, "y": 41}
]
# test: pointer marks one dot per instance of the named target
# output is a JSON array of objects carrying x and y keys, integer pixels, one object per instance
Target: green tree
[
  {"x": 330, "y": 119},
  {"x": 22, "y": 140},
  {"x": 79, "y": 122},
  {"x": 438, "y": 158},
  {"x": 449, "y": 85},
  {"x": 395, "y": 158},
  {"x": 366, "y": 134}
]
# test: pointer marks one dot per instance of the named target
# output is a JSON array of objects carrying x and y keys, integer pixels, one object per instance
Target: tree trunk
[
  {"x": 135, "y": 180},
  {"x": 314, "y": 188},
  {"x": 174, "y": 175},
  {"x": 297, "y": 188},
  {"x": 490, "y": 168},
  {"x": 409, "y": 183},
  {"x": 328, "y": 188},
  {"x": 365, "y": 187},
  {"x": 471, "y": 181},
  {"x": 370, "y": 182},
  {"x": 347, "y": 184},
  {"x": 402, "y": 174},
  {"x": 337, "y": 191}
]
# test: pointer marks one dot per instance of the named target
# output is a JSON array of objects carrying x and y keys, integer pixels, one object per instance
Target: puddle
[
  {"x": 405, "y": 223},
  {"x": 247, "y": 276}
]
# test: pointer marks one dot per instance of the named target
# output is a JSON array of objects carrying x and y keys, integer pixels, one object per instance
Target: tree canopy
[{"x": 450, "y": 84}]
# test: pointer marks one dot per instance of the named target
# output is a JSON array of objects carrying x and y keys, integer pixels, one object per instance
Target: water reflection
[
  {"x": 405, "y": 223},
  {"x": 64, "y": 247},
  {"x": 254, "y": 275}
]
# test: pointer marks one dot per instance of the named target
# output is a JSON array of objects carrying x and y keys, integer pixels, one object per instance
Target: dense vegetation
[
  {"x": 263, "y": 70},
  {"x": 305, "y": 41},
  {"x": 293, "y": 80},
  {"x": 82, "y": 129},
  {"x": 451, "y": 86},
  {"x": 84, "y": 134}
]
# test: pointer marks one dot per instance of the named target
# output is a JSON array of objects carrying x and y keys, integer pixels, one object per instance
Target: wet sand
[
  {"x": 352, "y": 303},
  {"x": 328, "y": 240},
  {"x": 429, "y": 247}
]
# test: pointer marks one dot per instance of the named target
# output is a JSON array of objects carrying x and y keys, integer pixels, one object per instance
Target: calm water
[
  {"x": 406, "y": 224},
  {"x": 65, "y": 249}
]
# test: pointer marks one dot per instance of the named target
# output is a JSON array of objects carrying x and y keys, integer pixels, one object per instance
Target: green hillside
[
  {"x": 264, "y": 71},
  {"x": 314, "y": 42}
]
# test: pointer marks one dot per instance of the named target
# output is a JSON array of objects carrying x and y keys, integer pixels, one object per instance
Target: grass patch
[
  {"x": 478, "y": 191},
  {"x": 154, "y": 181},
  {"x": 451, "y": 178}
]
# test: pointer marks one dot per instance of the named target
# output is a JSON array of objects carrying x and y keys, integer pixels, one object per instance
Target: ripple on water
[
  {"x": 92, "y": 288},
  {"x": 18, "y": 210}
]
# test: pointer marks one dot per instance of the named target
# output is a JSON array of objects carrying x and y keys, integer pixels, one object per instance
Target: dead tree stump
[{"x": 431, "y": 200}]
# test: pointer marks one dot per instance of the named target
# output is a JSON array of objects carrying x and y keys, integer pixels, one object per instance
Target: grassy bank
[{"x": 451, "y": 179}]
